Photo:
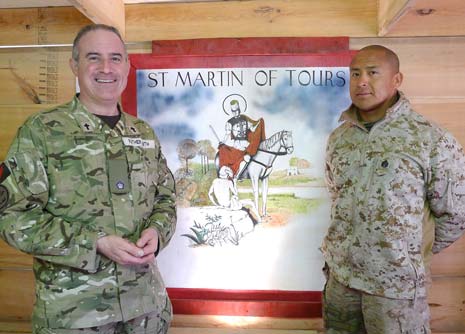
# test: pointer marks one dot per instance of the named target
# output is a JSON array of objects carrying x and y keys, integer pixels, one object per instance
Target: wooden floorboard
[
  {"x": 178, "y": 330},
  {"x": 242, "y": 322},
  {"x": 217, "y": 325},
  {"x": 189, "y": 324}
]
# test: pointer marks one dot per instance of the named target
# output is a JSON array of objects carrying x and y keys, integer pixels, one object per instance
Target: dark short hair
[
  {"x": 89, "y": 28},
  {"x": 391, "y": 56}
]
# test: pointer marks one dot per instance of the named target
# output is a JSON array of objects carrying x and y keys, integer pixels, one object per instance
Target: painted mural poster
[{"x": 246, "y": 147}]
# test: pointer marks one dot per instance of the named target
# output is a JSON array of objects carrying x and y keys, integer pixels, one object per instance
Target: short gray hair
[{"x": 94, "y": 27}]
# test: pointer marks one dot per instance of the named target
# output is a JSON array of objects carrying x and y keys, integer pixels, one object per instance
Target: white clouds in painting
[{"x": 310, "y": 111}]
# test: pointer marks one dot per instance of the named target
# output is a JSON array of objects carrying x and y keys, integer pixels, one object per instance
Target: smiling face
[
  {"x": 102, "y": 69},
  {"x": 374, "y": 80}
]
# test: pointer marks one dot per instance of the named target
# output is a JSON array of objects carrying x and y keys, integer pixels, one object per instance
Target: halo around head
[{"x": 231, "y": 98}]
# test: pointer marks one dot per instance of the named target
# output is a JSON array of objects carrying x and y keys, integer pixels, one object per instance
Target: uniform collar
[
  {"x": 126, "y": 125},
  {"x": 350, "y": 114},
  {"x": 90, "y": 123}
]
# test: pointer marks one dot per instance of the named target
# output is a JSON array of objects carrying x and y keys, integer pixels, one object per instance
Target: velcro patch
[
  {"x": 3, "y": 197},
  {"x": 4, "y": 172},
  {"x": 139, "y": 142}
]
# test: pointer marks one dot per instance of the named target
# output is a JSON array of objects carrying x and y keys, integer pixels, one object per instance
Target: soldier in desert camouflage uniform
[
  {"x": 397, "y": 184},
  {"x": 86, "y": 190}
]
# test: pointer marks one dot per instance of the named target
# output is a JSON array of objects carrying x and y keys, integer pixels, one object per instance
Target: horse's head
[
  {"x": 286, "y": 141},
  {"x": 278, "y": 144}
]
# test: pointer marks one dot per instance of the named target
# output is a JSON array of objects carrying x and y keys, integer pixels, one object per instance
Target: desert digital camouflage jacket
[
  {"x": 398, "y": 193},
  {"x": 72, "y": 178}
]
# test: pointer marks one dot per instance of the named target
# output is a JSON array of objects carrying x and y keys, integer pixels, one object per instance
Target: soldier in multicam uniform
[
  {"x": 86, "y": 190},
  {"x": 397, "y": 184}
]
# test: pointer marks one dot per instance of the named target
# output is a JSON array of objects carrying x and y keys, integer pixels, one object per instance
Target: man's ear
[
  {"x": 128, "y": 65},
  {"x": 398, "y": 78},
  {"x": 74, "y": 66}
]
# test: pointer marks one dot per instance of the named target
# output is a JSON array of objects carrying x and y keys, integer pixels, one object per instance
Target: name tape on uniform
[{"x": 139, "y": 142}]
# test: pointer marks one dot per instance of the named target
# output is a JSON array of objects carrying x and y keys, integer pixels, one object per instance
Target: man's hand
[
  {"x": 149, "y": 243},
  {"x": 120, "y": 250}
]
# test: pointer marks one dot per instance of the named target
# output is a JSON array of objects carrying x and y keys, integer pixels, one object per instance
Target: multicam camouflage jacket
[
  {"x": 398, "y": 194},
  {"x": 72, "y": 178}
]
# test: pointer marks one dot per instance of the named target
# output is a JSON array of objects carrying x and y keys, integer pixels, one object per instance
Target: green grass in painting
[
  {"x": 285, "y": 181},
  {"x": 288, "y": 203},
  {"x": 277, "y": 202}
]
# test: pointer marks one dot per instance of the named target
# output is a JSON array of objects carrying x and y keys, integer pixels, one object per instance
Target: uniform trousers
[
  {"x": 146, "y": 324},
  {"x": 347, "y": 310}
]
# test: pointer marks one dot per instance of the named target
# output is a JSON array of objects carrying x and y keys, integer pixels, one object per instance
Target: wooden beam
[
  {"x": 432, "y": 18},
  {"x": 258, "y": 18},
  {"x": 390, "y": 12},
  {"x": 147, "y": 22},
  {"x": 40, "y": 26},
  {"x": 233, "y": 18},
  {"x": 33, "y": 3},
  {"x": 109, "y": 12}
]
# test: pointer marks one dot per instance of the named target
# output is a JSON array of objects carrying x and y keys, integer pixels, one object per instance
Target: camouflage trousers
[
  {"x": 145, "y": 324},
  {"x": 347, "y": 311}
]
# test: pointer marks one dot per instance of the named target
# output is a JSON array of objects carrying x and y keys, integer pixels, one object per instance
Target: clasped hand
[{"x": 125, "y": 252}]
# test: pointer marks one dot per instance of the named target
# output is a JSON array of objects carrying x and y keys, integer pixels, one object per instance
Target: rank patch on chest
[
  {"x": 139, "y": 142},
  {"x": 87, "y": 127}
]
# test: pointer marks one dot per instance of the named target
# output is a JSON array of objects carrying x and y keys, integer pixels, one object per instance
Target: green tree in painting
[{"x": 187, "y": 149}]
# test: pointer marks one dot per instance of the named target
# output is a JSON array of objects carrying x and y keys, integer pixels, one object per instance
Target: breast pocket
[
  {"x": 401, "y": 176},
  {"x": 77, "y": 171},
  {"x": 344, "y": 168},
  {"x": 144, "y": 177}
]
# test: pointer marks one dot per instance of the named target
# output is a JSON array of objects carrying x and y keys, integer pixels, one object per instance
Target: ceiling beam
[
  {"x": 256, "y": 18},
  {"x": 109, "y": 12},
  {"x": 32, "y": 3},
  {"x": 147, "y": 22},
  {"x": 390, "y": 12}
]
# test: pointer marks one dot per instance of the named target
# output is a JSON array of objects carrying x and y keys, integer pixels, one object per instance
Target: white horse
[{"x": 261, "y": 164}]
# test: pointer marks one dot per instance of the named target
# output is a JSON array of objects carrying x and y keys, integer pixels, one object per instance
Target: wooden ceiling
[{"x": 21, "y": 21}]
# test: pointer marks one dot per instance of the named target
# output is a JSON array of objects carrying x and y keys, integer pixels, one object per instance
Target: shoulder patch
[
  {"x": 3, "y": 197},
  {"x": 4, "y": 172}
]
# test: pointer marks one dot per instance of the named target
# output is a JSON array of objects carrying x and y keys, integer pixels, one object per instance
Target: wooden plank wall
[
  {"x": 434, "y": 80},
  {"x": 257, "y": 18}
]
